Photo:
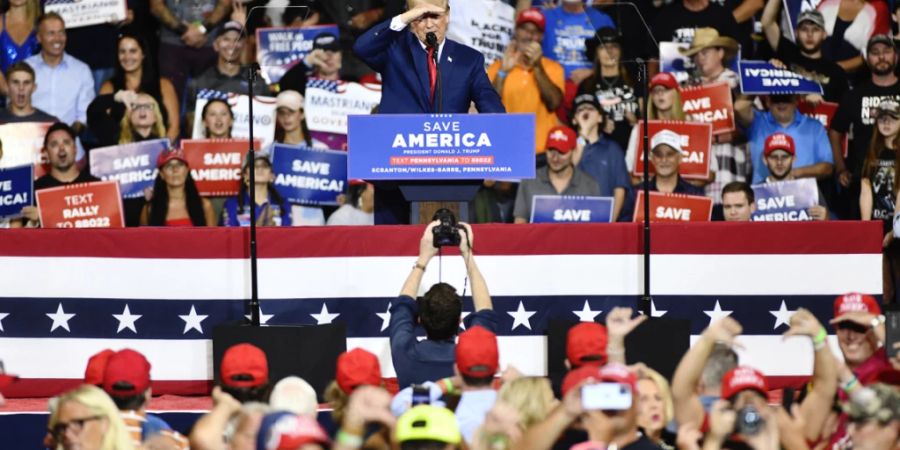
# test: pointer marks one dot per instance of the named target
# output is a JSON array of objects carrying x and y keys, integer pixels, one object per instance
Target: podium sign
[{"x": 441, "y": 146}]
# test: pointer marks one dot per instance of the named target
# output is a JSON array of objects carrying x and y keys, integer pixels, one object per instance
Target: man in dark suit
[
  {"x": 410, "y": 77},
  {"x": 412, "y": 83}
]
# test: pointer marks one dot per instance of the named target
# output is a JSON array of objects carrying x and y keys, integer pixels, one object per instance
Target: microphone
[{"x": 431, "y": 40}]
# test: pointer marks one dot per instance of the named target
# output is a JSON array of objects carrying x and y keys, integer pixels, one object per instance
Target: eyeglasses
[
  {"x": 140, "y": 106},
  {"x": 76, "y": 425}
]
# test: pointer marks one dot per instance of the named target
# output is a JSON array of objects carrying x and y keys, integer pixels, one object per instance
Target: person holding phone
[{"x": 604, "y": 401}]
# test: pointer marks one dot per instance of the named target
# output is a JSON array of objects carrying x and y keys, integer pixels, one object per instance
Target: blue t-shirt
[
  {"x": 565, "y": 34},
  {"x": 810, "y": 141},
  {"x": 604, "y": 161}
]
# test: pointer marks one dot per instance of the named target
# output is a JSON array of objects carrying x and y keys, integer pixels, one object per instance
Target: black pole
[
  {"x": 251, "y": 167},
  {"x": 646, "y": 299}
]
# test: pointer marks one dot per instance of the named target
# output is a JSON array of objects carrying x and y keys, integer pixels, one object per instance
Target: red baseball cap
[
  {"x": 532, "y": 15},
  {"x": 779, "y": 141},
  {"x": 358, "y": 367},
  {"x": 168, "y": 155},
  {"x": 586, "y": 340},
  {"x": 245, "y": 360},
  {"x": 618, "y": 373},
  {"x": 562, "y": 139},
  {"x": 576, "y": 376},
  {"x": 477, "y": 355},
  {"x": 854, "y": 302},
  {"x": 96, "y": 366},
  {"x": 126, "y": 366},
  {"x": 742, "y": 378},
  {"x": 286, "y": 431},
  {"x": 664, "y": 79}
]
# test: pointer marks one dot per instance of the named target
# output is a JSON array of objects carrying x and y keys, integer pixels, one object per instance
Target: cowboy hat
[{"x": 709, "y": 37}]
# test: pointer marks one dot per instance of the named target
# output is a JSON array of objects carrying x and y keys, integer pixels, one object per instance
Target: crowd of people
[
  {"x": 452, "y": 393},
  {"x": 570, "y": 63}
]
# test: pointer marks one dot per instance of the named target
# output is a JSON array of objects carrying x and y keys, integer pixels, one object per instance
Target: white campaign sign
[
  {"x": 327, "y": 110},
  {"x": 82, "y": 13},
  {"x": 263, "y": 114}
]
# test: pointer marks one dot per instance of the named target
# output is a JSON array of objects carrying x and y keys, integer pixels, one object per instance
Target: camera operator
[{"x": 438, "y": 311}]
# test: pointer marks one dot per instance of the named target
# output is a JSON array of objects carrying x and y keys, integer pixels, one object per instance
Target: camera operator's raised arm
[
  {"x": 481, "y": 298},
  {"x": 427, "y": 251}
]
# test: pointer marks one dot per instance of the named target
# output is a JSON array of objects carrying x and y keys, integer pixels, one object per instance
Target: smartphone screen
[
  {"x": 606, "y": 397},
  {"x": 421, "y": 395}
]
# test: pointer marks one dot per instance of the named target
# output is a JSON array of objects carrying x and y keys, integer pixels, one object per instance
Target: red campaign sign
[
  {"x": 824, "y": 113},
  {"x": 216, "y": 164},
  {"x": 674, "y": 208},
  {"x": 84, "y": 205},
  {"x": 711, "y": 103},
  {"x": 696, "y": 138}
]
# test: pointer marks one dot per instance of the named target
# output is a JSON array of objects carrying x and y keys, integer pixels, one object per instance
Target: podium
[{"x": 438, "y": 161}]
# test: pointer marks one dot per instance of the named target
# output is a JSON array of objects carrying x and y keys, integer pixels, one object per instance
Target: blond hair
[
  {"x": 126, "y": 135},
  {"x": 94, "y": 399},
  {"x": 664, "y": 391},
  {"x": 338, "y": 400},
  {"x": 528, "y": 396},
  {"x": 677, "y": 108},
  {"x": 410, "y": 4}
]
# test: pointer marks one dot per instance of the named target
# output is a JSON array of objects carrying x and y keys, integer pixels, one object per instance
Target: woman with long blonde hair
[
  {"x": 655, "y": 407},
  {"x": 665, "y": 104},
  {"x": 142, "y": 121},
  {"x": 87, "y": 419}
]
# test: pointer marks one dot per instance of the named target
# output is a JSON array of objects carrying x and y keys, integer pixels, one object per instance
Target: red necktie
[{"x": 432, "y": 71}]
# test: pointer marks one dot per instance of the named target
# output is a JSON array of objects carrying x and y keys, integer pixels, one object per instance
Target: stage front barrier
[{"x": 70, "y": 293}]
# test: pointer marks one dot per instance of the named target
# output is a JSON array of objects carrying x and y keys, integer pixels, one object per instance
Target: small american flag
[
  {"x": 336, "y": 87},
  {"x": 207, "y": 94}
]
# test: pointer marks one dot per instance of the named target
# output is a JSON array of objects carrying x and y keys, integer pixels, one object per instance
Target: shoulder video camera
[{"x": 445, "y": 233}]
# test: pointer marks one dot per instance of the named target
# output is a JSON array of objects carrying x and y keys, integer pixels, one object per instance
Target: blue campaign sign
[
  {"x": 132, "y": 165},
  {"x": 762, "y": 78},
  {"x": 279, "y": 49},
  {"x": 785, "y": 201},
  {"x": 16, "y": 190},
  {"x": 564, "y": 209},
  {"x": 307, "y": 176},
  {"x": 441, "y": 146}
]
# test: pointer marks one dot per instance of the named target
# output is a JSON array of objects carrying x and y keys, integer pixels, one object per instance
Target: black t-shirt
[
  {"x": 854, "y": 116},
  {"x": 635, "y": 36},
  {"x": 47, "y": 181},
  {"x": 824, "y": 71},
  {"x": 616, "y": 98},
  {"x": 675, "y": 23},
  {"x": 745, "y": 28},
  {"x": 882, "y": 179}
]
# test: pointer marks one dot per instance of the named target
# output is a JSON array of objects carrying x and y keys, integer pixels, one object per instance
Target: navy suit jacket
[{"x": 403, "y": 65}]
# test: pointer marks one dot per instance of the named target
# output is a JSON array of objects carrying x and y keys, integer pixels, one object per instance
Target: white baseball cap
[{"x": 667, "y": 137}]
